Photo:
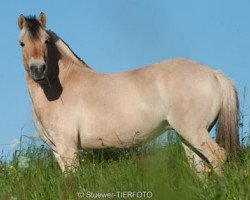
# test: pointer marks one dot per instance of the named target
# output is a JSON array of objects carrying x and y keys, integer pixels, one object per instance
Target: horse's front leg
[
  {"x": 64, "y": 148},
  {"x": 59, "y": 160},
  {"x": 66, "y": 154}
]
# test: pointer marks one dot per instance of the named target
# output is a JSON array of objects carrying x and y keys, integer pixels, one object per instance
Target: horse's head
[{"x": 34, "y": 41}]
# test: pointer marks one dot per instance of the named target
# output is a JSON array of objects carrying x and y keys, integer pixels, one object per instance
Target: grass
[{"x": 157, "y": 169}]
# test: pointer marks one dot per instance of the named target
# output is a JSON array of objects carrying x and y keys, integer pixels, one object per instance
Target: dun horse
[{"x": 75, "y": 107}]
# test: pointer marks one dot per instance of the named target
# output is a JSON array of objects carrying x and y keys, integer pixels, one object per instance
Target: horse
[{"x": 76, "y": 108}]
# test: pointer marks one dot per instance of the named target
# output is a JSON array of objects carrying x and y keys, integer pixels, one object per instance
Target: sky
[{"x": 120, "y": 35}]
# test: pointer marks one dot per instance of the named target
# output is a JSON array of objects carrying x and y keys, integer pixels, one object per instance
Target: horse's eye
[
  {"x": 21, "y": 44},
  {"x": 46, "y": 41}
]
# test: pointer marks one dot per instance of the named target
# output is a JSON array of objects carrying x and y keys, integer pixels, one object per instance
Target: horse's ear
[
  {"x": 42, "y": 19},
  {"x": 21, "y": 21}
]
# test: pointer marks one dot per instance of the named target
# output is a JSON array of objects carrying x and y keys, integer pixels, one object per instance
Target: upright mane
[{"x": 66, "y": 50}]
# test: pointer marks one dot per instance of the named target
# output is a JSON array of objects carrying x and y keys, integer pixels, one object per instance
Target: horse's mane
[{"x": 66, "y": 49}]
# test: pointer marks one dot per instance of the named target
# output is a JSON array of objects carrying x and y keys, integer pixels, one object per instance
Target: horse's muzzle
[{"x": 38, "y": 72}]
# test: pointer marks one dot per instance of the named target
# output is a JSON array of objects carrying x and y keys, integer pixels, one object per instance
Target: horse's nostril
[
  {"x": 43, "y": 68},
  {"x": 32, "y": 68}
]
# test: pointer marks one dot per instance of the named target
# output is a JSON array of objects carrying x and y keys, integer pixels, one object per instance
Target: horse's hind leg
[
  {"x": 204, "y": 144},
  {"x": 194, "y": 159}
]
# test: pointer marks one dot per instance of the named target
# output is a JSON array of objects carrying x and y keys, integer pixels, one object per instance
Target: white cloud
[{"x": 14, "y": 143}]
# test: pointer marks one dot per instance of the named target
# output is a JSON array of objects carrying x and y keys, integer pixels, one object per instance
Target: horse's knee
[
  {"x": 219, "y": 159},
  {"x": 60, "y": 161},
  {"x": 67, "y": 158}
]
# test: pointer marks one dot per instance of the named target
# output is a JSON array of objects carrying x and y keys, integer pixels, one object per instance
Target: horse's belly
[{"x": 122, "y": 136}]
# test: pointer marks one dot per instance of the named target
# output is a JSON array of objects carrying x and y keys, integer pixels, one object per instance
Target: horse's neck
[{"x": 69, "y": 56}]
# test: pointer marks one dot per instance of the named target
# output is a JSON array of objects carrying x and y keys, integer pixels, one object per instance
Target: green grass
[{"x": 160, "y": 169}]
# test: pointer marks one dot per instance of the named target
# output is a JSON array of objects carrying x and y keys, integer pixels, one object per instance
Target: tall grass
[{"x": 158, "y": 169}]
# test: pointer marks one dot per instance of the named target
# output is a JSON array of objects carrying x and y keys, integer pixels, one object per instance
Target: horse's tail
[{"x": 227, "y": 128}]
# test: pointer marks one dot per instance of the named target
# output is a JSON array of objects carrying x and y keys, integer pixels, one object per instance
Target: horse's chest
[{"x": 56, "y": 119}]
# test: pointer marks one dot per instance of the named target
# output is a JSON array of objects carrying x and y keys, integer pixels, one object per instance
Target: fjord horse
[{"x": 75, "y": 107}]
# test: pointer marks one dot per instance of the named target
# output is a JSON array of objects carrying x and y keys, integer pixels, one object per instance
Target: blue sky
[{"x": 119, "y": 35}]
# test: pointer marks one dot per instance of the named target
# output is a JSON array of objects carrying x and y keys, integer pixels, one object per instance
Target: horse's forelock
[{"x": 33, "y": 27}]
